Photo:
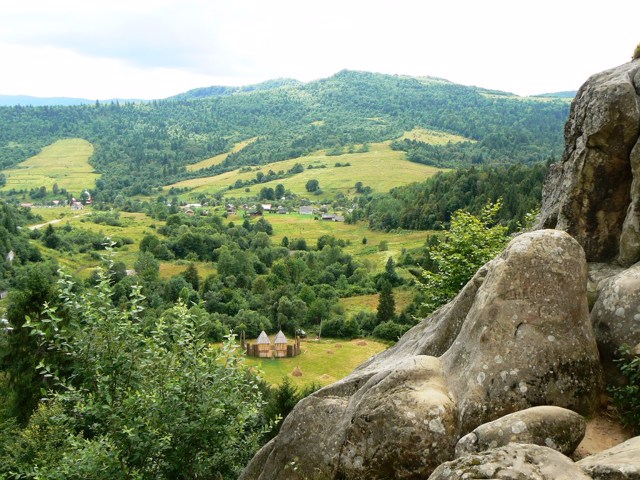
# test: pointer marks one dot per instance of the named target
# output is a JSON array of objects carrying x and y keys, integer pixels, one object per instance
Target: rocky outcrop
[
  {"x": 616, "y": 317},
  {"x": 525, "y": 341},
  {"x": 513, "y": 340},
  {"x": 514, "y": 461},
  {"x": 621, "y": 462},
  {"x": 594, "y": 192},
  {"x": 553, "y": 427}
]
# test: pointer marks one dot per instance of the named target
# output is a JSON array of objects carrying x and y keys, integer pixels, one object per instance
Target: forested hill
[{"x": 140, "y": 146}]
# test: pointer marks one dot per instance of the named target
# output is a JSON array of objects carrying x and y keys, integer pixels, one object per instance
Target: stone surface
[
  {"x": 593, "y": 193},
  {"x": 512, "y": 339},
  {"x": 616, "y": 318},
  {"x": 621, "y": 462},
  {"x": 511, "y": 462},
  {"x": 527, "y": 340},
  {"x": 597, "y": 276},
  {"x": 548, "y": 426}
]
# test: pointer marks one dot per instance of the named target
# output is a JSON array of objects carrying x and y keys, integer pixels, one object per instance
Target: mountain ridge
[{"x": 213, "y": 91}]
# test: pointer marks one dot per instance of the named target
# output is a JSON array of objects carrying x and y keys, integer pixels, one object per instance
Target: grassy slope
[
  {"x": 65, "y": 162},
  {"x": 134, "y": 226},
  {"x": 218, "y": 159},
  {"x": 380, "y": 167},
  {"x": 324, "y": 361}
]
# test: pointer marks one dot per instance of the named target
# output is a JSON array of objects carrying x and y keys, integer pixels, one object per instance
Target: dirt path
[
  {"x": 603, "y": 431},
  {"x": 40, "y": 225}
]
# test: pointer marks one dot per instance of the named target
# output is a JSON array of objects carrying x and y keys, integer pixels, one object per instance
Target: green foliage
[
  {"x": 281, "y": 400},
  {"x": 160, "y": 403},
  {"x": 429, "y": 205},
  {"x": 470, "y": 243},
  {"x": 139, "y": 147},
  {"x": 312, "y": 185},
  {"x": 636, "y": 53},
  {"x": 390, "y": 331},
  {"x": 386, "y": 303},
  {"x": 627, "y": 397}
]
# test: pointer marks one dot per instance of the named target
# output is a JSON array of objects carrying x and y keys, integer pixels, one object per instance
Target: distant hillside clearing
[{"x": 65, "y": 162}]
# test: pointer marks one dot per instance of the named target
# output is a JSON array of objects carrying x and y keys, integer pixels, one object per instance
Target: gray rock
[
  {"x": 548, "y": 426},
  {"x": 511, "y": 462},
  {"x": 597, "y": 276},
  {"x": 513, "y": 340},
  {"x": 527, "y": 340},
  {"x": 594, "y": 192},
  {"x": 616, "y": 318},
  {"x": 621, "y": 462}
]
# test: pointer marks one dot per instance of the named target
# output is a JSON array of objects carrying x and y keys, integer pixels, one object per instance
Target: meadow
[
  {"x": 381, "y": 168},
  {"x": 65, "y": 163},
  {"x": 322, "y": 361},
  {"x": 218, "y": 159}
]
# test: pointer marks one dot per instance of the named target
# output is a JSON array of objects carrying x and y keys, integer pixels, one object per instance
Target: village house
[{"x": 306, "y": 210}]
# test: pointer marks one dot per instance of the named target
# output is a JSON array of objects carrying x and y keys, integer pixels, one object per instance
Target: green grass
[
  {"x": 369, "y": 303},
  {"x": 434, "y": 137},
  {"x": 380, "y": 168},
  {"x": 218, "y": 159},
  {"x": 295, "y": 225},
  {"x": 65, "y": 162},
  {"x": 134, "y": 226},
  {"x": 321, "y": 361}
]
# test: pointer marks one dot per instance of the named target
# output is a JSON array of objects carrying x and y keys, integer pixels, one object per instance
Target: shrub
[
  {"x": 390, "y": 331},
  {"x": 627, "y": 397}
]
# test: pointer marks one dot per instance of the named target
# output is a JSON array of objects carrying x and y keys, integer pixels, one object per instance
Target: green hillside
[
  {"x": 142, "y": 146},
  {"x": 65, "y": 163}
]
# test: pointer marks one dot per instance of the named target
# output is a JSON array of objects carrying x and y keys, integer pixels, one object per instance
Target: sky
[{"x": 103, "y": 49}]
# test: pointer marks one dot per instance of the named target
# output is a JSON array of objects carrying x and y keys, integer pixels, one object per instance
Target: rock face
[
  {"x": 513, "y": 462},
  {"x": 525, "y": 341},
  {"x": 594, "y": 192},
  {"x": 511, "y": 340},
  {"x": 553, "y": 427},
  {"x": 616, "y": 316},
  {"x": 621, "y": 462}
]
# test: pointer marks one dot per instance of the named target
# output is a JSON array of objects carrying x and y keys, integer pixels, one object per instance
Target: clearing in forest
[
  {"x": 322, "y": 361},
  {"x": 381, "y": 168},
  {"x": 434, "y": 137},
  {"x": 218, "y": 159},
  {"x": 65, "y": 162}
]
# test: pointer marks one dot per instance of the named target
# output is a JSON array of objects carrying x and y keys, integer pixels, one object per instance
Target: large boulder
[
  {"x": 549, "y": 426},
  {"x": 527, "y": 340},
  {"x": 621, "y": 462},
  {"x": 511, "y": 462},
  {"x": 594, "y": 192},
  {"x": 517, "y": 336},
  {"x": 616, "y": 317}
]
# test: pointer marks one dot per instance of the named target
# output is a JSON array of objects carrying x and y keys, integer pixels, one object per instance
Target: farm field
[
  {"x": 321, "y": 361},
  {"x": 381, "y": 168},
  {"x": 434, "y": 137},
  {"x": 65, "y": 162}
]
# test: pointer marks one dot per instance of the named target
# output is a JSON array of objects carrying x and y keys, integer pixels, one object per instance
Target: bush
[
  {"x": 627, "y": 397},
  {"x": 390, "y": 331}
]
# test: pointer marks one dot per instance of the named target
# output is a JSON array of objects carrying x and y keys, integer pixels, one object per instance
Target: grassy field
[
  {"x": 434, "y": 137},
  {"x": 352, "y": 305},
  {"x": 321, "y": 361},
  {"x": 134, "y": 226},
  {"x": 380, "y": 167},
  {"x": 65, "y": 162},
  {"x": 295, "y": 225},
  {"x": 209, "y": 162}
]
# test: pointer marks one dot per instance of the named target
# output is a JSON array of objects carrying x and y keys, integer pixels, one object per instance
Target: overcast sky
[{"x": 154, "y": 49}]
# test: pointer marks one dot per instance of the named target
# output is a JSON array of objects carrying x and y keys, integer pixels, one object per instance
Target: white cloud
[{"x": 151, "y": 49}]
